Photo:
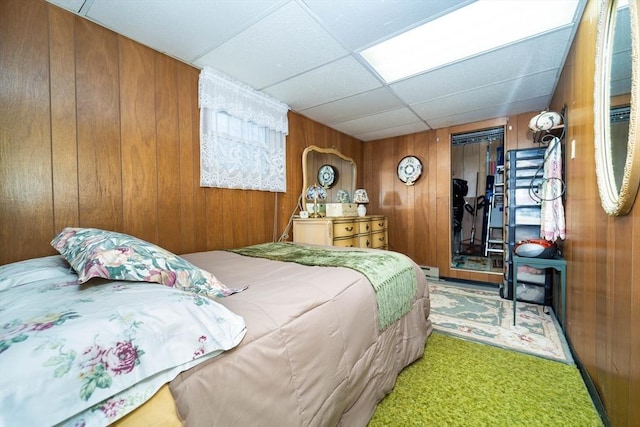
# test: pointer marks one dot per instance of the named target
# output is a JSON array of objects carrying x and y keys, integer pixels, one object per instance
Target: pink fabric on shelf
[{"x": 552, "y": 225}]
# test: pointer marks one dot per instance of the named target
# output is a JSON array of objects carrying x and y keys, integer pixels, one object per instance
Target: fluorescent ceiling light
[{"x": 470, "y": 30}]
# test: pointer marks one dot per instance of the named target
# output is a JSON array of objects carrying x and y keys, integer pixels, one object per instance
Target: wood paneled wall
[
  {"x": 420, "y": 215},
  {"x": 100, "y": 131},
  {"x": 603, "y": 252}
]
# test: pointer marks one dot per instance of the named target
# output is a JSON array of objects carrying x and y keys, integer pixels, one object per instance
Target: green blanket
[{"x": 391, "y": 274}]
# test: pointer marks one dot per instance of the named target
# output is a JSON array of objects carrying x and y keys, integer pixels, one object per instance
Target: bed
[{"x": 278, "y": 341}]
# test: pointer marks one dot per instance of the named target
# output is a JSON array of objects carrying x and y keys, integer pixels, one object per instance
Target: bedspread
[
  {"x": 390, "y": 273},
  {"x": 313, "y": 354}
]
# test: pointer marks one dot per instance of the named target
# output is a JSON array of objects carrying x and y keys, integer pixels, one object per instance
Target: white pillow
[{"x": 33, "y": 270}]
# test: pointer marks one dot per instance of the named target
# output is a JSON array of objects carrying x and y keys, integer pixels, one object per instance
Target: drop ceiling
[{"x": 305, "y": 53}]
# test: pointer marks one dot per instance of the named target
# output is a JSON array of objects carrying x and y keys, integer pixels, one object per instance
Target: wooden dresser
[{"x": 359, "y": 232}]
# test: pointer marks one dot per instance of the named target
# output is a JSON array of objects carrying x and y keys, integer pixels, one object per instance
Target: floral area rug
[{"x": 482, "y": 315}]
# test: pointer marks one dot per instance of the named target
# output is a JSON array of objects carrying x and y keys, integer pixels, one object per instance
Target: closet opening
[{"x": 477, "y": 208}]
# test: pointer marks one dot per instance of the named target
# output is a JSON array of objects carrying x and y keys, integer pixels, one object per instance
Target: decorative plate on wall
[
  {"x": 409, "y": 169},
  {"x": 327, "y": 176}
]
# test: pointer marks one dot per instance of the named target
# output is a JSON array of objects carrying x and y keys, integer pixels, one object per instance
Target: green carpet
[{"x": 464, "y": 383}]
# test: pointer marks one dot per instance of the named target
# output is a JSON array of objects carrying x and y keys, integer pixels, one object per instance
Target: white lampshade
[{"x": 360, "y": 196}]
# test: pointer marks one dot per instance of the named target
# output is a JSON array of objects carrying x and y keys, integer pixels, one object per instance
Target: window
[{"x": 242, "y": 135}]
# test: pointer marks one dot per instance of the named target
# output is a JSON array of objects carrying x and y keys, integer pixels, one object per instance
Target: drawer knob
[{"x": 348, "y": 228}]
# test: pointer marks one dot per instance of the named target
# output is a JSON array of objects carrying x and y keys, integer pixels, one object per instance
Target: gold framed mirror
[
  {"x": 316, "y": 158},
  {"x": 616, "y": 106}
]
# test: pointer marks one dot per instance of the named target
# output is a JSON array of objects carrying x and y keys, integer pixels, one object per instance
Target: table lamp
[
  {"x": 315, "y": 193},
  {"x": 360, "y": 196}
]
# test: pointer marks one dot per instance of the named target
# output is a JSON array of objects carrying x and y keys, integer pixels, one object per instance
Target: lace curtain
[{"x": 242, "y": 135}]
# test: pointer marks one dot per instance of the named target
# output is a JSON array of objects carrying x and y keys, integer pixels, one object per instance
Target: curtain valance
[
  {"x": 220, "y": 93},
  {"x": 242, "y": 135}
]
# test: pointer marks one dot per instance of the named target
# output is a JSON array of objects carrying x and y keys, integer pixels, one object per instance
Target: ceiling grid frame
[{"x": 317, "y": 69}]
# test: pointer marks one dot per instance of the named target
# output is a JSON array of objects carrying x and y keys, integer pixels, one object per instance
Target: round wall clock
[
  {"x": 327, "y": 176},
  {"x": 409, "y": 169}
]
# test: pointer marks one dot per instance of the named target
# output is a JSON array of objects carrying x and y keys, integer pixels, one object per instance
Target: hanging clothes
[{"x": 552, "y": 224}]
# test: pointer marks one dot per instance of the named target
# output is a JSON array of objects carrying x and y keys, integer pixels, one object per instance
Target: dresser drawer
[
  {"x": 364, "y": 241},
  {"x": 315, "y": 231},
  {"x": 378, "y": 224},
  {"x": 364, "y": 226},
  {"x": 378, "y": 240},
  {"x": 358, "y": 232},
  {"x": 344, "y": 229},
  {"x": 345, "y": 242}
]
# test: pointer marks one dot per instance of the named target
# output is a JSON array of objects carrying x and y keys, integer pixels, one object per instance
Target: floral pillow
[{"x": 99, "y": 253}]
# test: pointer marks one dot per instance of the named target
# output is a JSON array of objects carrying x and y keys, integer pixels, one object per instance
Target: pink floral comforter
[{"x": 87, "y": 355}]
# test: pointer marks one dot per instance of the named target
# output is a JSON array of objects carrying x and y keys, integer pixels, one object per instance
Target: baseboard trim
[
  {"x": 591, "y": 387},
  {"x": 478, "y": 283}
]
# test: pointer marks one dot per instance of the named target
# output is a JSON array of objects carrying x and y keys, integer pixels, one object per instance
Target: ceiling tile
[
  {"x": 72, "y": 5},
  {"x": 183, "y": 28},
  {"x": 285, "y": 43},
  {"x": 360, "y": 23},
  {"x": 393, "y": 131},
  {"x": 517, "y": 60},
  {"x": 467, "y": 117},
  {"x": 353, "y": 107},
  {"x": 524, "y": 106},
  {"x": 374, "y": 122},
  {"x": 335, "y": 80},
  {"x": 492, "y": 112},
  {"x": 487, "y": 96}
]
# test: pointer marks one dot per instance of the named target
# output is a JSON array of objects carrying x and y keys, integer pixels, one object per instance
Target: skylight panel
[{"x": 465, "y": 32}]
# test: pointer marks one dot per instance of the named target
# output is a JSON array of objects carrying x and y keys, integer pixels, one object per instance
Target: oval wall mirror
[
  {"x": 616, "y": 105},
  {"x": 315, "y": 161}
]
